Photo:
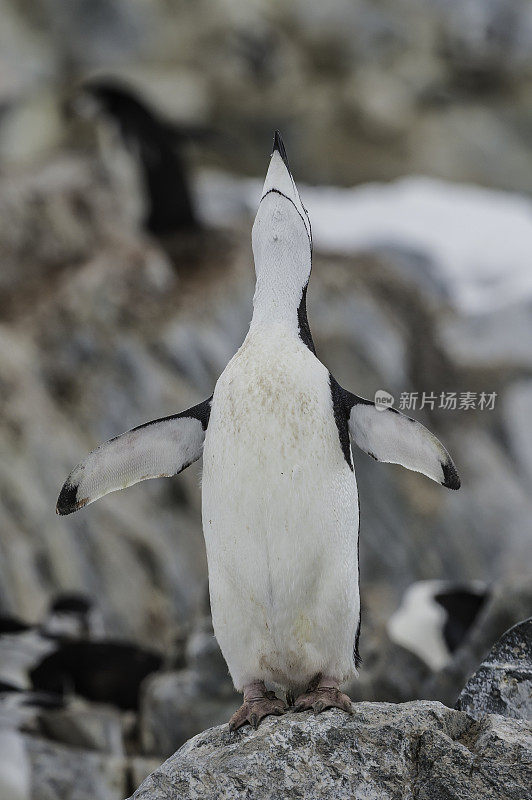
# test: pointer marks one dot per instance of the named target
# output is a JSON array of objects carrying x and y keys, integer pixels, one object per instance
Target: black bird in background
[
  {"x": 155, "y": 146},
  {"x": 67, "y": 655},
  {"x": 104, "y": 672}
]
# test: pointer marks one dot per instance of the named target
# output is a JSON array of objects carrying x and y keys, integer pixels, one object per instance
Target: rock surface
[
  {"x": 417, "y": 750},
  {"x": 59, "y": 772},
  {"x": 503, "y": 682},
  {"x": 177, "y": 705},
  {"x": 510, "y": 603}
]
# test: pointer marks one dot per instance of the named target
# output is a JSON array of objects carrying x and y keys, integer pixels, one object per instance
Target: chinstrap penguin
[
  {"x": 67, "y": 654},
  {"x": 143, "y": 152},
  {"x": 279, "y": 495},
  {"x": 435, "y": 617}
]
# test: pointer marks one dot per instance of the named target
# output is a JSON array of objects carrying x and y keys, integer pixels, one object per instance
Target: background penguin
[
  {"x": 103, "y": 672},
  {"x": 23, "y": 647},
  {"x": 66, "y": 655},
  {"x": 144, "y": 157},
  {"x": 142, "y": 151},
  {"x": 434, "y": 618},
  {"x": 73, "y": 614},
  {"x": 279, "y": 495}
]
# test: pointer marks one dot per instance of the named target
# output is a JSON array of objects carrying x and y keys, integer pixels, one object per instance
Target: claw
[
  {"x": 319, "y": 698},
  {"x": 254, "y": 710}
]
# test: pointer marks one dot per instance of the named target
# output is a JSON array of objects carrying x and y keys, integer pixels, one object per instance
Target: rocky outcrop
[
  {"x": 416, "y": 750},
  {"x": 58, "y": 772},
  {"x": 33, "y": 768},
  {"x": 177, "y": 705},
  {"x": 503, "y": 682},
  {"x": 510, "y": 603}
]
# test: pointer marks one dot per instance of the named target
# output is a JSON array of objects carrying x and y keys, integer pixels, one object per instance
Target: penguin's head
[
  {"x": 101, "y": 97},
  {"x": 117, "y": 106},
  {"x": 282, "y": 236},
  {"x": 71, "y": 614}
]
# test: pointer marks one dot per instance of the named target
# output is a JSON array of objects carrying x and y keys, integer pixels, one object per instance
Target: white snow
[{"x": 477, "y": 242}]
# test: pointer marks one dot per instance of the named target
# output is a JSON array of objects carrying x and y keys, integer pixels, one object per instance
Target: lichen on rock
[{"x": 383, "y": 752}]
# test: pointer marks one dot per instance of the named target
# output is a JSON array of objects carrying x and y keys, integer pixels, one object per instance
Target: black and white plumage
[
  {"x": 279, "y": 495},
  {"x": 73, "y": 615},
  {"x": 157, "y": 449},
  {"x": 23, "y": 647},
  {"x": 103, "y": 672},
  {"x": 152, "y": 146},
  {"x": 65, "y": 655},
  {"x": 435, "y": 617}
]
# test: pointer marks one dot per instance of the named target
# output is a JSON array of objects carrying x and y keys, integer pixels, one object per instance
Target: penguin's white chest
[{"x": 280, "y": 517}]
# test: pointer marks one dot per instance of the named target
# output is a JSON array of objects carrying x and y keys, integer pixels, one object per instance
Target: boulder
[
  {"x": 91, "y": 727},
  {"x": 59, "y": 772},
  {"x": 178, "y": 705},
  {"x": 510, "y": 602},
  {"x": 420, "y": 749},
  {"x": 503, "y": 682}
]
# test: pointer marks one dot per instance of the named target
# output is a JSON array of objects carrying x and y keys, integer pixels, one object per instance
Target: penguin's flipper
[
  {"x": 387, "y": 435},
  {"x": 157, "y": 449}
]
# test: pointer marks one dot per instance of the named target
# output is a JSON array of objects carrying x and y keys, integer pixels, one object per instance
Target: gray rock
[
  {"x": 382, "y": 752},
  {"x": 90, "y": 727},
  {"x": 503, "y": 682},
  {"x": 59, "y": 772},
  {"x": 510, "y": 602},
  {"x": 140, "y": 767},
  {"x": 15, "y": 770},
  {"x": 496, "y": 338},
  {"x": 376, "y": 679},
  {"x": 176, "y": 706},
  {"x": 517, "y": 411}
]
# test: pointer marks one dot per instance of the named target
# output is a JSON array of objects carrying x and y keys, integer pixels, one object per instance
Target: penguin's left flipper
[
  {"x": 157, "y": 449},
  {"x": 387, "y": 435}
]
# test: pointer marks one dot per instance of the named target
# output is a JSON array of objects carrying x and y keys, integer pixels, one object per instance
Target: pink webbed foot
[
  {"x": 258, "y": 703},
  {"x": 322, "y": 693}
]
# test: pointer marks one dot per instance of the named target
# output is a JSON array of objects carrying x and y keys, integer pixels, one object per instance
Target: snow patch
[{"x": 477, "y": 242}]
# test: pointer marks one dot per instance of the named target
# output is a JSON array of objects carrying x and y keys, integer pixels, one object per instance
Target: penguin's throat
[{"x": 276, "y": 303}]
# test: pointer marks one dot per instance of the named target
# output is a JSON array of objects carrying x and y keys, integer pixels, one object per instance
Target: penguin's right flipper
[
  {"x": 157, "y": 449},
  {"x": 387, "y": 435}
]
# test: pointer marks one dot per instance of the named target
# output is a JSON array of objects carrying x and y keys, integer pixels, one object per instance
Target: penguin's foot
[
  {"x": 258, "y": 703},
  {"x": 322, "y": 693}
]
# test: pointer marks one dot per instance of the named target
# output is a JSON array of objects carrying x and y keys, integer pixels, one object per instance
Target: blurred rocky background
[{"x": 408, "y": 124}]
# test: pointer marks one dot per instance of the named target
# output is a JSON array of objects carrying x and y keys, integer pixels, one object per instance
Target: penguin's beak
[
  {"x": 279, "y": 179},
  {"x": 278, "y": 146}
]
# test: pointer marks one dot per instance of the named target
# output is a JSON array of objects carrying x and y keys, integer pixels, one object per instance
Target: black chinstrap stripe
[
  {"x": 282, "y": 194},
  {"x": 302, "y": 321}
]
